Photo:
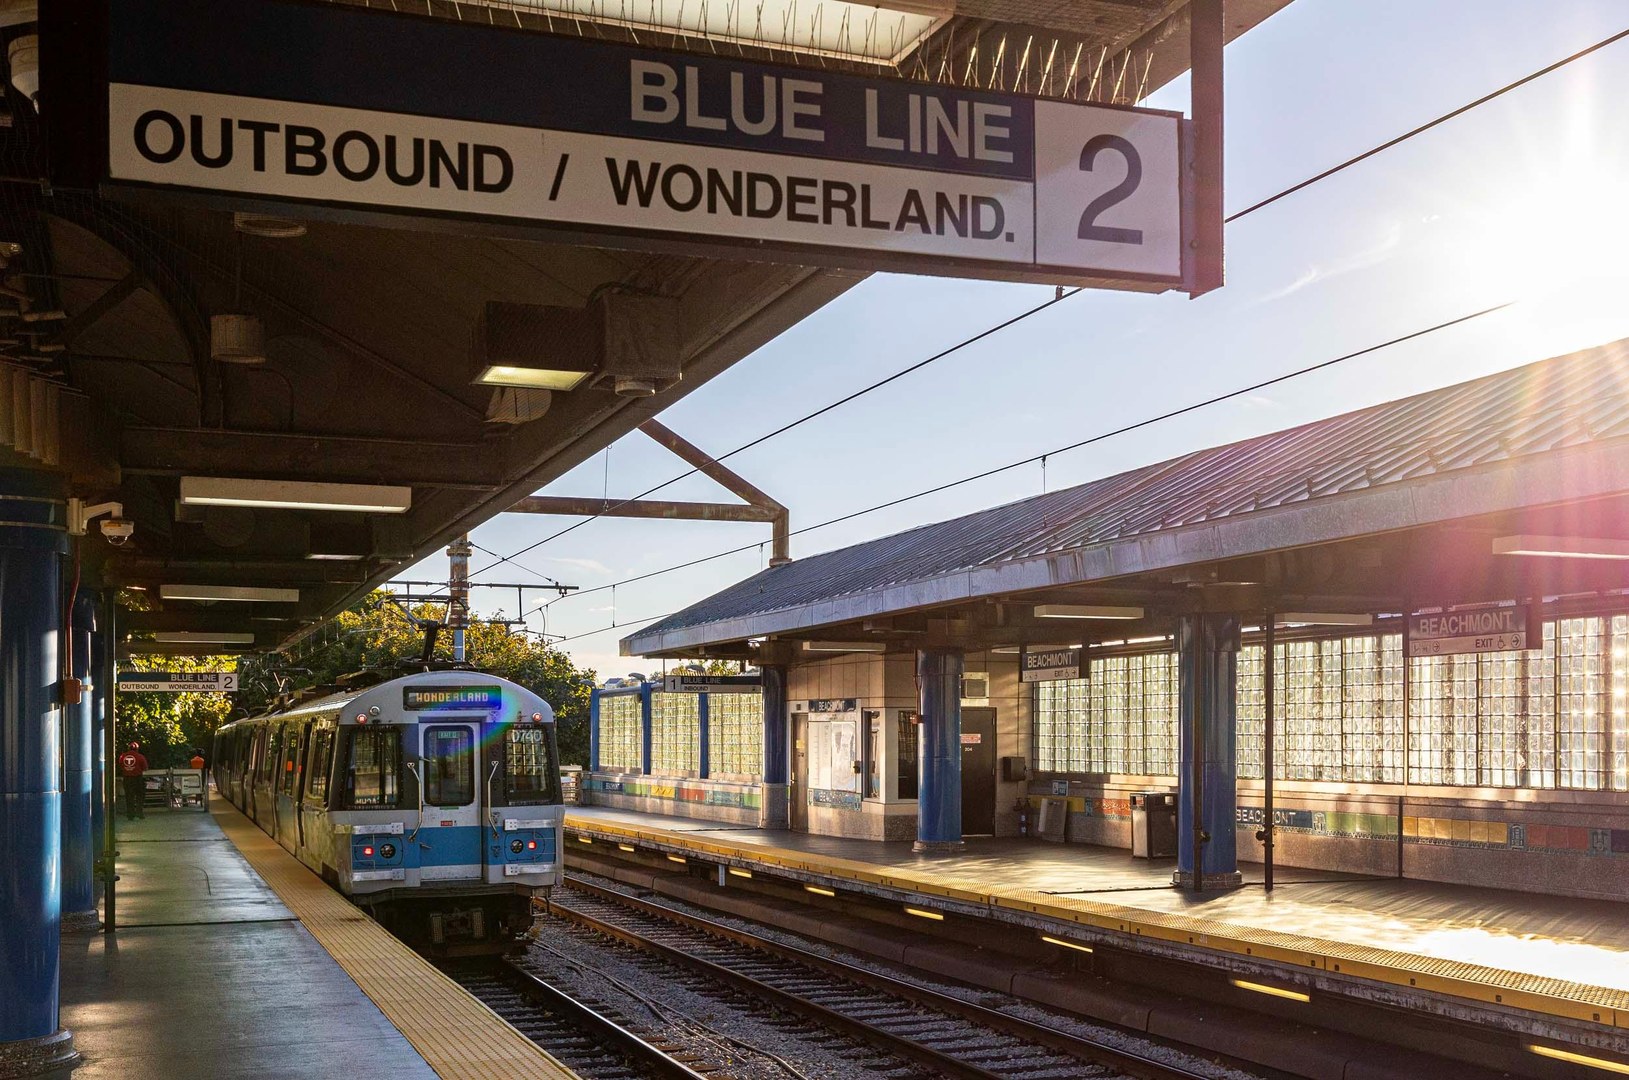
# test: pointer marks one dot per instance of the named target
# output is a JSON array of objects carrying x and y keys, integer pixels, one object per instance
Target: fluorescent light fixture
[
  {"x": 844, "y": 646},
  {"x": 1066, "y": 944},
  {"x": 922, "y": 914},
  {"x": 1563, "y": 547},
  {"x": 334, "y": 556},
  {"x": 1272, "y": 991},
  {"x": 1007, "y": 649},
  {"x": 1323, "y": 618},
  {"x": 294, "y": 495},
  {"x": 229, "y": 592},
  {"x": 203, "y": 637},
  {"x": 530, "y": 378},
  {"x": 736, "y": 871},
  {"x": 1086, "y": 611},
  {"x": 1579, "y": 1059},
  {"x": 677, "y": 859},
  {"x": 818, "y": 890},
  {"x": 625, "y": 847}
]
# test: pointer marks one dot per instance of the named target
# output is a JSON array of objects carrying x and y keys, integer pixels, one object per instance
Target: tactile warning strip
[
  {"x": 455, "y": 1034},
  {"x": 1496, "y": 986}
]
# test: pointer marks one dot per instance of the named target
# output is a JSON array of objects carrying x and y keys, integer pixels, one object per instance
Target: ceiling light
[
  {"x": 1322, "y": 618},
  {"x": 530, "y": 378},
  {"x": 203, "y": 637},
  {"x": 334, "y": 556},
  {"x": 228, "y": 592},
  {"x": 844, "y": 646},
  {"x": 295, "y": 495},
  {"x": 1086, "y": 611},
  {"x": 1563, "y": 547}
]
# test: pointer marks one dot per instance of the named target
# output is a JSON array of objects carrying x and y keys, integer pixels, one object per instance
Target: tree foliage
[
  {"x": 378, "y": 636},
  {"x": 169, "y": 726}
]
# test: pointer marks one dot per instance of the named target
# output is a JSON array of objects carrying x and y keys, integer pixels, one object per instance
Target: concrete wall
[{"x": 707, "y": 800}]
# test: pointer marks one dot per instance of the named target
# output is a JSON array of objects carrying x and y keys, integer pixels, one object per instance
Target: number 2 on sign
[{"x": 1113, "y": 234}]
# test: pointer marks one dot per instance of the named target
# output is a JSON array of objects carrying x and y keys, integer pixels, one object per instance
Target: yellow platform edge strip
[
  {"x": 457, "y": 1036},
  {"x": 1383, "y": 966}
]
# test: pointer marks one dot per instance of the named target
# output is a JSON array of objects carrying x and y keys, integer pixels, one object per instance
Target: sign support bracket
[{"x": 1206, "y": 36}]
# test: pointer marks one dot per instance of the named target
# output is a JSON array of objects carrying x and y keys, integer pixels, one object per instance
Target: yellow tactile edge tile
[
  {"x": 458, "y": 1037},
  {"x": 1495, "y": 986}
]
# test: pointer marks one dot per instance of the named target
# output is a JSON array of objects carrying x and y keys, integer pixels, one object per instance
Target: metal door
[
  {"x": 286, "y": 787},
  {"x": 800, "y": 772},
  {"x": 450, "y": 801},
  {"x": 978, "y": 772}
]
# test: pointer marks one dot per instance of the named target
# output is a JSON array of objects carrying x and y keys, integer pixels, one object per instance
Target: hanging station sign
[
  {"x": 1050, "y": 664},
  {"x": 178, "y": 682},
  {"x": 352, "y": 113},
  {"x": 712, "y": 684},
  {"x": 1497, "y": 629}
]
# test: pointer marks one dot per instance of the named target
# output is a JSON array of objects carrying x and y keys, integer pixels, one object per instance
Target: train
[{"x": 431, "y": 800}]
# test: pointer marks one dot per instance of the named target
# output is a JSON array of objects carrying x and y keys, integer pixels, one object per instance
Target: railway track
[
  {"x": 587, "y": 1042},
  {"x": 938, "y": 1034}
]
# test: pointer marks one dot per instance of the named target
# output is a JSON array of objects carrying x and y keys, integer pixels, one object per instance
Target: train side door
[
  {"x": 450, "y": 787},
  {"x": 286, "y": 786}
]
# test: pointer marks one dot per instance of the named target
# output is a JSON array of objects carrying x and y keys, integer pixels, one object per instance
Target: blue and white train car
[{"x": 432, "y": 800}]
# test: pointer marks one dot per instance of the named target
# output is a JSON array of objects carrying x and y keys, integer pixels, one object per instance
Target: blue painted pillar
[
  {"x": 101, "y": 709},
  {"x": 939, "y": 794},
  {"x": 773, "y": 810},
  {"x": 1207, "y": 657},
  {"x": 704, "y": 736},
  {"x": 645, "y": 703},
  {"x": 78, "y": 845},
  {"x": 33, "y": 540},
  {"x": 594, "y": 731}
]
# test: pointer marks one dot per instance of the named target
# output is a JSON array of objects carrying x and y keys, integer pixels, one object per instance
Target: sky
[{"x": 1525, "y": 199}]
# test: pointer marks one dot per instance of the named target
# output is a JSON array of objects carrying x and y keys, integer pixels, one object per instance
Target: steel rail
[
  {"x": 648, "y": 1060},
  {"x": 1037, "y": 1034}
]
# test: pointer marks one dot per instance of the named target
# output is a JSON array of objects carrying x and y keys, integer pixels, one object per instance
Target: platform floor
[
  {"x": 1555, "y": 954},
  {"x": 233, "y": 960},
  {"x": 211, "y": 976}
]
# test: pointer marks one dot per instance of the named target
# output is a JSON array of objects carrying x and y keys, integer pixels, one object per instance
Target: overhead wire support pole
[{"x": 1206, "y": 36}]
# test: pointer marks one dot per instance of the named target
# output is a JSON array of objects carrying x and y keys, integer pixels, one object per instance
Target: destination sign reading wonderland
[{"x": 346, "y": 107}]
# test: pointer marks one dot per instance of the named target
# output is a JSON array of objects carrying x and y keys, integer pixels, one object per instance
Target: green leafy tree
[
  {"x": 378, "y": 636},
  {"x": 167, "y": 725}
]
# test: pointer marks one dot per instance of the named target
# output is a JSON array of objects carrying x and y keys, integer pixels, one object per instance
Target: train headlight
[
  {"x": 517, "y": 846},
  {"x": 387, "y": 851}
]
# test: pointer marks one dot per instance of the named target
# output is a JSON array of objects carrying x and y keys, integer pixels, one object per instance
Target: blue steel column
[
  {"x": 704, "y": 735},
  {"x": 78, "y": 845},
  {"x": 645, "y": 704},
  {"x": 32, "y": 542},
  {"x": 773, "y": 811},
  {"x": 101, "y": 643},
  {"x": 939, "y": 794},
  {"x": 594, "y": 731},
  {"x": 1207, "y": 657}
]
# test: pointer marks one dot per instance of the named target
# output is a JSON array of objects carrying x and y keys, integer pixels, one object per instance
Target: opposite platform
[{"x": 1519, "y": 960}]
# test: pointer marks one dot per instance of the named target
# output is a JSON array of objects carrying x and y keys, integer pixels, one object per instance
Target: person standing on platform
[
  {"x": 197, "y": 761},
  {"x": 132, "y": 769}
]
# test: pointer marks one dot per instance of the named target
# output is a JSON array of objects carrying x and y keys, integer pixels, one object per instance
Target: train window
[
  {"x": 449, "y": 766},
  {"x": 322, "y": 751},
  {"x": 529, "y": 775},
  {"x": 373, "y": 776}
]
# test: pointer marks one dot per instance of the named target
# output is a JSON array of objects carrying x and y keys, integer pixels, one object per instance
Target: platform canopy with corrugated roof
[{"x": 1507, "y": 487}]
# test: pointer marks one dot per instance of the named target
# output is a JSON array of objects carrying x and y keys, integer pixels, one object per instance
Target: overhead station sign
[
  {"x": 342, "y": 107},
  {"x": 179, "y": 682},
  {"x": 1050, "y": 664},
  {"x": 713, "y": 684},
  {"x": 1499, "y": 629}
]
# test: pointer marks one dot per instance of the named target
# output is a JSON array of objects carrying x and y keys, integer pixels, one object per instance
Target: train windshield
[
  {"x": 530, "y": 778},
  {"x": 373, "y": 775},
  {"x": 449, "y": 766}
]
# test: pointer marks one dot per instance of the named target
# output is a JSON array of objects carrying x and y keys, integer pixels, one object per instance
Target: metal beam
[
  {"x": 1207, "y": 32},
  {"x": 702, "y": 462},
  {"x": 212, "y": 619},
  {"x": 310, "y": 457},
  {"x": 117, "y": 294},
  {"x": 645, "y": 508},
  {"x": 123, "y": 569}
]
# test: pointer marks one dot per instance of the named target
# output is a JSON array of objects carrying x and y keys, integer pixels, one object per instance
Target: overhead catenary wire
[
  {"x": 1033, "y": 458},
  {"x": 1058, "y": 298}
]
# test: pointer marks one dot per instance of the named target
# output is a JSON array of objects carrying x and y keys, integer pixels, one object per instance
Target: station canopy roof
[
  {"x": 363, "y": 372},
  {"x": 1448, "y": 497}
]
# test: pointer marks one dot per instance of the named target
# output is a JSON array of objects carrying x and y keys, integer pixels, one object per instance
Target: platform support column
[
  {"x": 647, "y": 704},
  {"x": 594, "y": 732},
  {"x": 1207, "y": 659},
  {"x": 33, "y": 539},
  {"x": 773, "y": 811},
  {"x": 101, "y": 693},
  {"x": 939, "y": 794},
  {"x": 78, "y": 746},
  {"x": 704, "y": 735}
]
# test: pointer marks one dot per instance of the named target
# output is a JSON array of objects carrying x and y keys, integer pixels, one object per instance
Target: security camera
[{"x": 117, "y": 531}]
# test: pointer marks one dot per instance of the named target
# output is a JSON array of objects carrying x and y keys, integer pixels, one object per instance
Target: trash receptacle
[{"x": 1153, "y": 825}]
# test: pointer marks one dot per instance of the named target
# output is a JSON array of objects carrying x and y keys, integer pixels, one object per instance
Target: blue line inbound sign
[{"x": 354, "y": 113}]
